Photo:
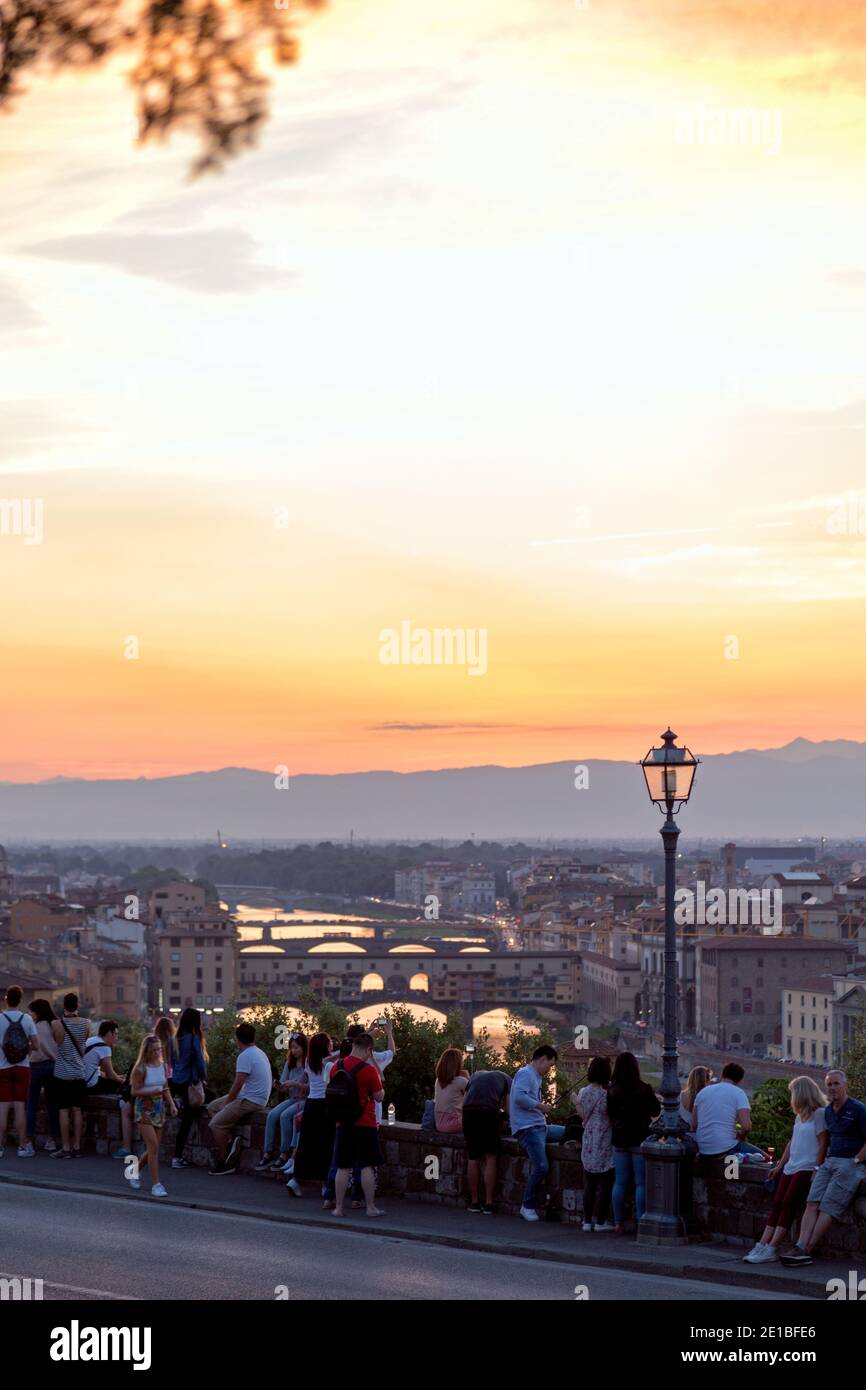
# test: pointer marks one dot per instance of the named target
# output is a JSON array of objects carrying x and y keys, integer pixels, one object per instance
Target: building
[
  {"x": 739, "y": 980},
  {"x": 610, "y": 989},
  {"x": 758, "y": 860},
  {"x": 195, "y": 955},
  {"x": 181, "y": 896},
  {"x": 652, "y": 947},
  {"x": 800, "y": 887},
  {"x": 819, "y": 1019},
  {"x": 42, "y": 919}
]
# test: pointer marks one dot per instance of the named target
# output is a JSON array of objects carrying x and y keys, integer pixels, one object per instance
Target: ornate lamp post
[{"x": 669, "y": 773}]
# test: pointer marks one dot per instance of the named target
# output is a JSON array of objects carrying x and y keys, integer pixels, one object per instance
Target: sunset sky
[{"x": 483, "y": 335}]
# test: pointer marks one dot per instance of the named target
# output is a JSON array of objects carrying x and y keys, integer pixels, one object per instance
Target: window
[
  {"x": 825, "y": 1057},
  {"x": 175, "y": 970},
  {"x": 813, "y": 1005},
  {"x": 813, "y": 1023},
  {"x": 814, "y": 1052},
  {"x": 119, "y": 996},
  {"x": 175, "y": 941},
  {"x": 789, "y": 998},
  {"x": 802, "y": 1021},
  {"x": 825, "y": 1025},
  {"x": 175, "y": 955},
  {"x": 789, "y": 1016},
  {"x": 760, "y": 964},
  {"x": 758, "y": 1038},
  {"x": 626, "y": 980},
  {"x": 735, "y": 1038},
  {"x": 802, "y": 1000},
  {"x": 735, "y": 980},
  {"x": 802, "y": 1050},
  {"x": 199, "y": 955}
]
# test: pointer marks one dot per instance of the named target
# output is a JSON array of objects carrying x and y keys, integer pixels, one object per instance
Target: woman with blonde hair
[
  {"x": 794, "y": 1171},
  {"x": 451, "y": 1082},
  {"x": 699, "y": 1077},
  {"x": 151, "y": 1098}
]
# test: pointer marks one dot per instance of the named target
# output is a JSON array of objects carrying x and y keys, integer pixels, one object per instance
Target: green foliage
[
  {"x": 855, "y": 1063},
  {"x": 129, "y": 1035},
  {"x": 772, "y": 1117},
  {"x": 419, "y": 1043}
]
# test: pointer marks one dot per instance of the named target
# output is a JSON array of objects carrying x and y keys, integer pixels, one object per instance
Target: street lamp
[{"x": 669, "y": 773}]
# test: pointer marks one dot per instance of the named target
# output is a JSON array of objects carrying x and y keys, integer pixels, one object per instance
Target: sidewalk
[{"x": 265, "y": 1199}]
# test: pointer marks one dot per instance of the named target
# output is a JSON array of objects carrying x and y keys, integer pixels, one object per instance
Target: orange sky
[{"x": 513, "y": 322}]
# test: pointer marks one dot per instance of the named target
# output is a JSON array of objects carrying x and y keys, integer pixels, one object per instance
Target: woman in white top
[
  {"x": 795, "y": 1169},
  {"x": 151, "y": 1098}
]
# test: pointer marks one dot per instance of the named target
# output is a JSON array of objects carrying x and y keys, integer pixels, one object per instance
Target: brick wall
[{"x": 725, "y": 1210}]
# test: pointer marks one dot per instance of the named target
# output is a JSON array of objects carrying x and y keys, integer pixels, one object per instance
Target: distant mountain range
[{"x": 804, "y": 788}]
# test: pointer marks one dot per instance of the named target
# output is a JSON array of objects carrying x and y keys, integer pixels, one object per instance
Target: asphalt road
[{"x": 88, "y": 1247}]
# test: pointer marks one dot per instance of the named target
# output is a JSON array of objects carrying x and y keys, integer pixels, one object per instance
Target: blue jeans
[
  {"x": 533, "y": 1142},
  {"x": 629, "y": 1166},
  {"x": 40, "y": 1079},
  {"x": 284, "y": 1116}
]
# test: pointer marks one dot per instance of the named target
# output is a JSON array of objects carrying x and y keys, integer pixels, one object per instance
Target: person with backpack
[
  {"x": 69, "y": 1087},
  {"x": 42, "y": 1060},
  {"x": 17, "y": 1041},
  {"x": 354, "y": 1088},
  {"x": 188, "y": 1079}
]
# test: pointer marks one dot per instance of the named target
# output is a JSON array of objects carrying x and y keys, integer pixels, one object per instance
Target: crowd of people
[{"x": 324, "y": 1127}]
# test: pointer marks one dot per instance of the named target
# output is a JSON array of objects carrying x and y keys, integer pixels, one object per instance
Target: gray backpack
[{"x": 16, "y": 1044}]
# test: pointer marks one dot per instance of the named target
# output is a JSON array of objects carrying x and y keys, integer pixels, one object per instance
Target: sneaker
[
  {"x": 474, "y": 1207},
  {"x": 528, "y": 1214},
  {"x": 158, "y": 1190},
  {"x": 49, "y": 1146},
  {"x": 486, "y": 1209},
  {"x": 233, "y": 1157},
  {"x": 294, "y": 1186},
  {"x": 750, "y": 1258},
  {"x": 288, "y": 1167},
  {"x": 266, "y": 1161},
  {"x": 765, "y": 1255},
  {"x": 587, "y": 1226},
  {"x": 604, "y": 1226},
  {"x": 179, "y": 1163},
  {"x": 122, "y": 1153},
  {"x": 26, "y": 1151},
  {"x": 799, "y": 1256},
  {"x": 135, "y": 1184},
  {"x": 61, "y": 1153}
]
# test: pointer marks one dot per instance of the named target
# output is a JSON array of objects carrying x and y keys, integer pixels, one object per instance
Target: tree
[
  {"x": 855, "y": 1065},
  {"x": 772, "y": 1117},
  {"x": 196, "y": 63}
]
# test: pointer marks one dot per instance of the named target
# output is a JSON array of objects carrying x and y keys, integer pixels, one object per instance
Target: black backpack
[
  {"x": 16, "y": 1044},
  {"x": 341, "y": 1095}
]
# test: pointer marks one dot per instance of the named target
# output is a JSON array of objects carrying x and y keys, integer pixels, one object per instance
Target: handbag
[{"x": 195, "y": 1095}]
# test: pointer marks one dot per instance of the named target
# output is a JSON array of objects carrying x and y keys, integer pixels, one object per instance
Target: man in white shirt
[
  {"x": 248, "y": 1096},
  {"x": 721, "y": 1116},
  {"x": 15, "y": 1049}
]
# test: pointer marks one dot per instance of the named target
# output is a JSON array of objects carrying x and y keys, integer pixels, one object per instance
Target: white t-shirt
[
  {"x": 94, "y": 1053},
  {"x": 257, "y": 1087},
  {"x": 381, "y": 1060},
  {"x": 804, "y": 1143},
  {"x": 716, "y": 1107},
  {"x": 319, "y": 1080},
  {"x": 29, "y": 1028}
]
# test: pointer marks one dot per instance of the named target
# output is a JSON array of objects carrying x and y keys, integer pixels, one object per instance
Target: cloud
[
  {"x": 396, "y": 727},
  {"x": 215, "y": 261},
  {"x": 28, "y": 429},
  {"x": 15, "y": 312}
]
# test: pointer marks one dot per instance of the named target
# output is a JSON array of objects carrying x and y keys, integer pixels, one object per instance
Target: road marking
[{"x": 73, "y": 1288}]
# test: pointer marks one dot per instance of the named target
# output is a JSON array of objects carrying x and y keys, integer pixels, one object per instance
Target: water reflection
[{"x": 197, "y": 65}]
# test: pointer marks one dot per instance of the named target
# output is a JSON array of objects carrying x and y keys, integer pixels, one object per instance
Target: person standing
[
  {"x": 357, "y": 1128},
  {"x": 70, "y": 1032},
  {"x": 485, "y": 1106},
  {"x": 631, "y": 1106},
  {"x": 151, "y": 1098},
  {"x": 42, "y": 1060},
  {"x": 188, "y": 1079},
  {"x": 100, "y": 1077},
  {"x": 529, "y": 1123},
  {"x": 316, "y": 1140},
  {"x": 449, "y": 1090},
  {"x": 596, "y": 1150},
  {"x": 17, "y": 1042},
  {"x": 166, "y": 1031}
]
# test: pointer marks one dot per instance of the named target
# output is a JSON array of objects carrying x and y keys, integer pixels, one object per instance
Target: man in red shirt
[{"x": 358, "y": 1143}]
